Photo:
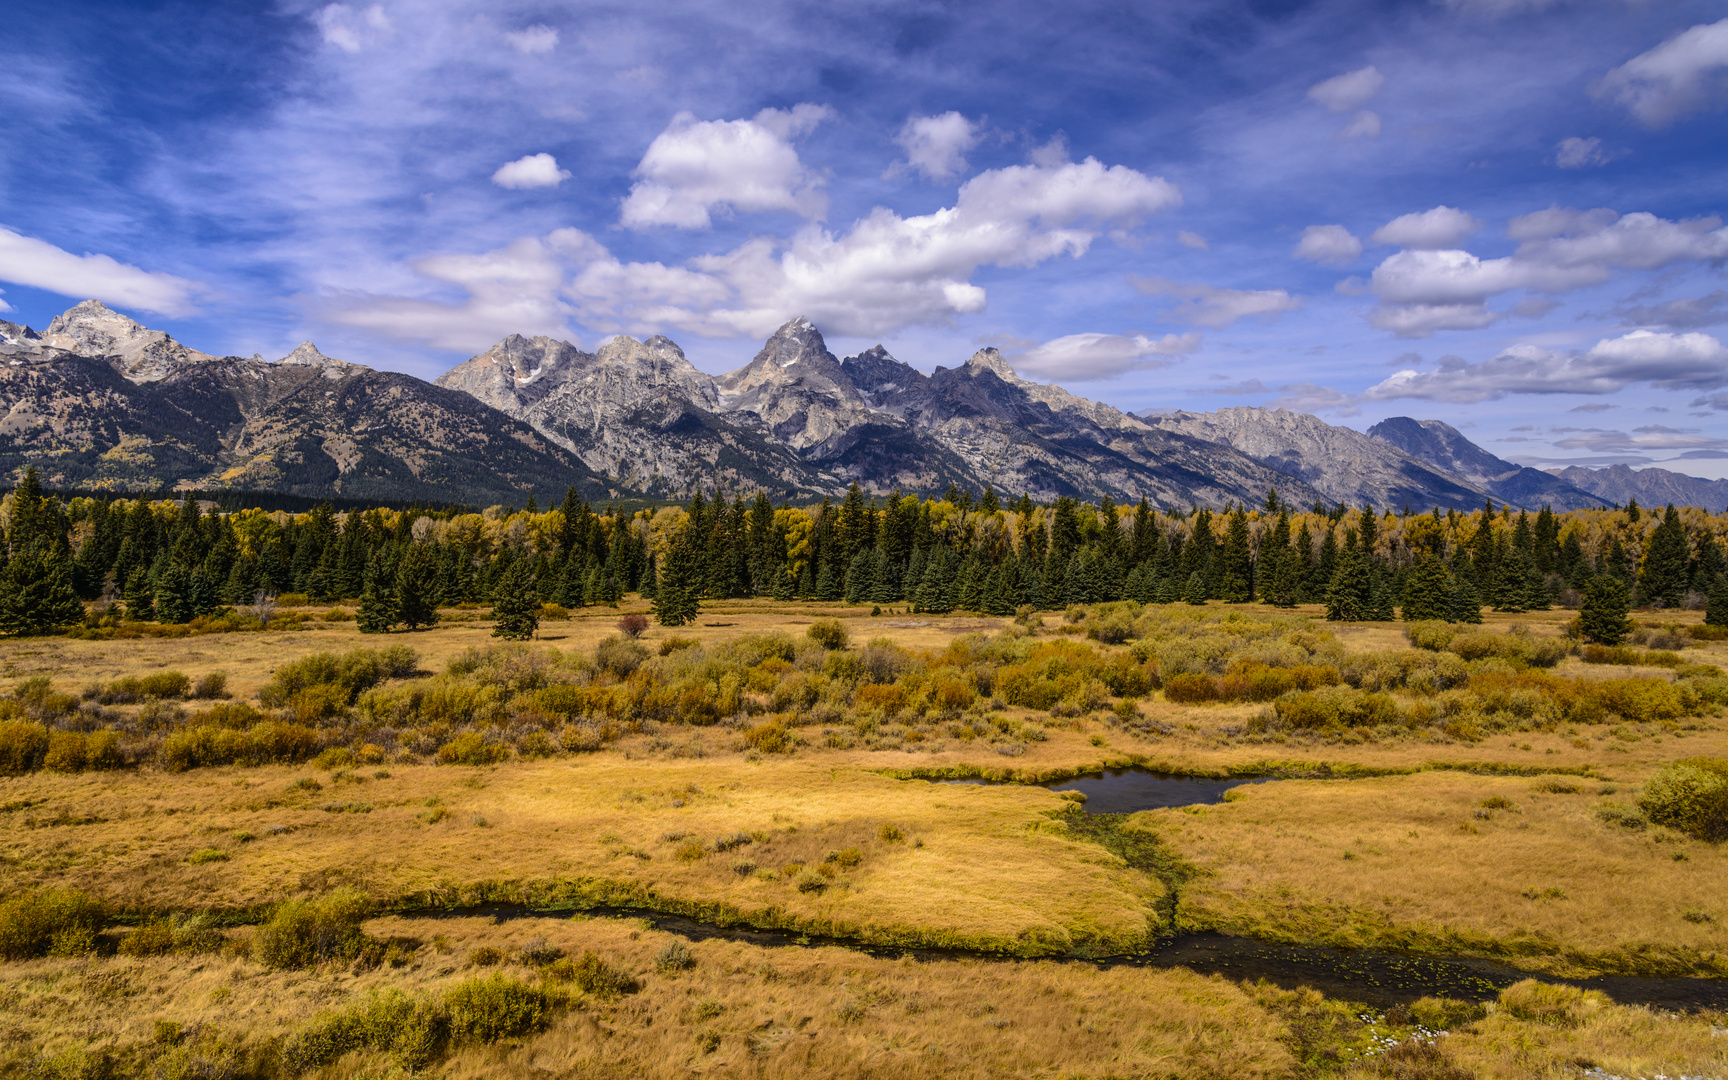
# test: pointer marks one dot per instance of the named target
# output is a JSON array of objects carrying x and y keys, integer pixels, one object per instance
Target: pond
[{"x": 1124, "y": 791}]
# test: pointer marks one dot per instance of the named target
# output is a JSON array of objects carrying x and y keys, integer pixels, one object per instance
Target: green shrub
[
  {"x": 50, "y": 922},
  {"x": 165, "y": 684},
  {"x": 828, "y": 633},
  {"x": 770, "y": 737},
  {"x": 484, "y": 1010},
  {"x": 264, "y": 743},
  {"x": 347, "y": 674},
  {"x": 210, "y": 686},
  {"x": 471, "y": 748},
  {"x": 158, "y": 937},
  {"x": 619, "y": 655},
  {"x": 302, "y": 933},
  {"x": 1431, "y": 634},
  {"x": 410, "y": 1030},
  {"x": 1690, "y": 796},
  {"x": 1335, "y": 706},
  {"x": 592, "y": 975},
  {"x": 207, "y": 855}
]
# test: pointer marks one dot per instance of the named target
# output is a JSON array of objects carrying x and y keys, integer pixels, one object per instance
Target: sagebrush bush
[
  {"x": 493, "y": 1007},
  {"x": 619, "y": 655},
  {"x": 471, "y": 748},
  {"x": 345, "y": 674},
  {"x": 1690, "y": 796},
  {"x": 266, "y": 742},
  {"x": 50, "y": 922},
  {"x": 595, "y": 976},
  {"x": 302, "y": 933},
  {"x": 23, "y": 745},
  {"x": 828, "y": 633}
]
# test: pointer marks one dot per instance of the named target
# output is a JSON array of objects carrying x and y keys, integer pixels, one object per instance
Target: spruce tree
[
  {"x": 1466, "y": 601},
  {"x": 675, "y": 601},
  {"x": 417, "y": 588},
  {"x": 516, "y": 603},
  {"x": 377, "y": 611},
  {"x": 1235, "y": 584},
  {"x": 1348, "y": 596},
  {"x": 1428, "y": 591},
  {"x": 140, "y": 597},
  {"x": 36, "y": 594},
  {"x": 173, "y": 596},
  {"x": 1195, "y": 591},
  {"x": 1663, "y": 578},
  {"x": 1716, "y": 611},
  {"x": 1602, "y": 616}
]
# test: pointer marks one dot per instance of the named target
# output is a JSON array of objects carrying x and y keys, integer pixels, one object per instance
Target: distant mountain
[
  {"x": 100, "y": 401},
  {"x": 1651, "y": 487},
  {"x": 1444, "y": 447},
  {"x": 1342, "y": 464}
]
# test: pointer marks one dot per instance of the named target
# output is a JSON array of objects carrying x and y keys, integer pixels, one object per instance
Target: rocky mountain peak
[
  {"x": 91, "y": 328},
  {"x": 306, "y": 354},
  {"x": 876, "y": 373},
  {"x": 516, "y": 372},
  {"x": 20, "y": 337},
  {"x": 991, "y": 360},
  {"x": 795, "y": 353}
]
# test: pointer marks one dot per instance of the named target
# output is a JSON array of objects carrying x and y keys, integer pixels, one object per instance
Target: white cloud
[
  {"x": 936, "y": 146},
  {"x": 1577, "y": 153},
  {"x": 1102, "y": 356},
  {"x": 885, "y": 273},
  {"x": 1421, "y": 291},
  {"x": 1328, "y": 244},
  {"x": 351, "y": 30},
  {"x": 533, "y": 171},
  {"x": 1365, "y": 125},
  {"x": 1441, "y": 227},
  {"x": 1688, "y": 71},
  {"x": 1352, "y": 90},
  {"x": 1649, "y": 437},
  {"x": 696, "y": 166},
  {"x": 4, "y": 306},
  {"x": 1203, "y": 305},
  {"x": 24, "y": 260},
  {"x": 1193, "y": 240},
  {"x": 534, "y": 41},
  {"x": 1666, "y": 361}
]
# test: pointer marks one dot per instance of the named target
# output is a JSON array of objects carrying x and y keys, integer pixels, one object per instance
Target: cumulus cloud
[
  {"x": 1102, "y": 356},
  {"x": 936, "y": 146},
  {"x": 1352, "y": 90},
  {"x": 1422, "y": 291},
  {"x": 351, "y": 30},
  {"x": 1203, "y": 305},
  {"x": 885, "y": 273},
  {"x": 1687, "y": 72},
  {"x": 1666, "y": 361},
  {"x": 697, "y": 166},
  {"x": 1193, "y": 240},
  {"x": 533, "y": 171},
  {"x": 1328, "y": 244},
  {"x": 1429, "y": 230},
  {"x": 534, "y": 41},
  {"x": 1577, "y": 153},
  {"x": 25, "y": 260}
]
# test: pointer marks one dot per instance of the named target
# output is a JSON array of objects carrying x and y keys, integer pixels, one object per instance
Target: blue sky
[{"x": 1505, "y": 214}]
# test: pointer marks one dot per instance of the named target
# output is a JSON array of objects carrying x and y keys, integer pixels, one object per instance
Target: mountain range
[{"x": 99, "y": 401}]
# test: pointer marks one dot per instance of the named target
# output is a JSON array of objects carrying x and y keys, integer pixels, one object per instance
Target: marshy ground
[{"x": 1486, "y": 796}]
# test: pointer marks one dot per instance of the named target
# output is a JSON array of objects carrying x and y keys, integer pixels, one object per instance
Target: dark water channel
[
  {"x": 1124, "y": 791},
  {"x": 1380, "y": 979}
]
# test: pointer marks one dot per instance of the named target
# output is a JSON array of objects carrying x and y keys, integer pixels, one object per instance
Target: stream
[
  {"x": 1124, "y": 791},
  {"x": 1372, "y": 977}
]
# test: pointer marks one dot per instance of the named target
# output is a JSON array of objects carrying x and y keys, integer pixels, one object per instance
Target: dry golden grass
[
  {"x": 977, "y": 867},
  {"x": 1420, "y": 862}
]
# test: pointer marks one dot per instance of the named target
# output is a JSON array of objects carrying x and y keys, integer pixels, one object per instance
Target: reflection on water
[{"x": 1123, "y": 791}]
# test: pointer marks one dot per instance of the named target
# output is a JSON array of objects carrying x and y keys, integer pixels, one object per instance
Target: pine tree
[
  {"x": 1663, "y": 579},
  {"x": 417, "y": 588},
  {"x": 1235, "y": 584},
  {"x": 173, "y": 596},
  {"x": 1602, "y": 615},
  {"x": 675, "y": 600},
  {"x": 1716, "y": 611},
  {"x": 1428, "y": 591},
  {"x": 1466, "y": 602},
  {"x": 377, "y": 611},
  {"x": 140, "y": 596},
  {"x": 36, "y": 594},
  {"x": 1195, "y": 591},
  {"x": 1348, "y": 596},
  {"x": 516, "y": 603}
]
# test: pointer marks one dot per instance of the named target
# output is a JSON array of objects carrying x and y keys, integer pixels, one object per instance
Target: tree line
[{"x": 142, "y": 559}]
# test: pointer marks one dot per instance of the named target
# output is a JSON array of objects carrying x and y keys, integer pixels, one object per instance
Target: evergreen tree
[
  {"x": 36, "y": 594},
  {"x": 1602, "y": 616},
  {"x": 1348, "y": 596},
  {"x": 858, "y": 576},
  {"x": 140, "y": 597},
  {"x": 1466, "y": 602},
  {"x": 1235, "y": 583},
  {"x": 173, "y": 596},
  {"x": 1663, "y": 578},
  {"x": 1195, "y": 591},
  {"x": 516, "y": 603},
  {"x": 1428, "y": 592},
  {"x": 675, "y": 600},
  {"x": 1716, "y": 611},
  {"x": 377, "y": 611},
  {"x": 417, "y": 588},
  {"x": 933, "y": 593},
  {"x": 1303, "y": 565}
]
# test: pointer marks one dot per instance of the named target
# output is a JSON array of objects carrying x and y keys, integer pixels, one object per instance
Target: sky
[{"x": 1503, "y": 214}]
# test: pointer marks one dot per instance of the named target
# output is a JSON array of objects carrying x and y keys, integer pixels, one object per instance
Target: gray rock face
[
  {"x": 1444, "y": 447},
  {"x": 517, "y": 372},
  {"x": 1650, "y": 486},
  {"x": 1344, "y": 465},
  {"x": 139, "y": 354},
  {"x": 307, "y": 355}
]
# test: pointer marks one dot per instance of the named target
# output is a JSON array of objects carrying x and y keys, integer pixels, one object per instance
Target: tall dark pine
[
  {"x": 1666, "y": 559},
  {"x": 1428, "y": 591},
  {"x": 516, "y": 603},
  {"x": 36, "y": 594},
  {"x": 417, "y": 588},
  {"x": 1348, "y": 596},
  {"x": 1602, "y": 615},
  {"x": 675, "y": 587},
  {"x": 377, "y": 611}
]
